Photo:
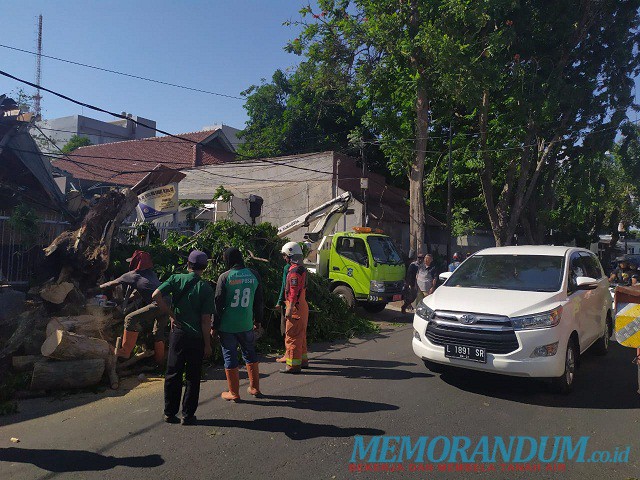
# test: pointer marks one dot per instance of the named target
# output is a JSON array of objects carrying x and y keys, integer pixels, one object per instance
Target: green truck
[{"x": 364, "y": 267}]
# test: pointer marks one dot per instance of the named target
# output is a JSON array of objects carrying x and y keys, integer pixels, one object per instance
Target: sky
[{"x": 222, "y": 46}]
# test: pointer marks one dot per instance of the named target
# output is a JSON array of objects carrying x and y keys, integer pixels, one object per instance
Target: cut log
[
  {"x": 69, "y": 374},
  {"x": 88, "y": 325},
  {"x": 63, "y": 345},
  {"x": 56, "y": 292},
  {"x": 112, "y": 361},
  {"x": 26, "y": 321},
  {"x": 22, "y": 363},
  {"x": 54, "y": 325}
]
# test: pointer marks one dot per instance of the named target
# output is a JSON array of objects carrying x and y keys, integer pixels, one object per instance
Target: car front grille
[{"x": 494, "y": 333}]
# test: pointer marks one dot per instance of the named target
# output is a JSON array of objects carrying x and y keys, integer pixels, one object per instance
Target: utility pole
[
  {"x": 37, "y": 97},
  {"x": 449, "y": 194},
  {"x": 364, "y": 185}
]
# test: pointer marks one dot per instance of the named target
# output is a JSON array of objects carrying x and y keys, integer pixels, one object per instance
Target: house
[
  {"x": 125, "y": 163},
  {"x": 292, "y": 185},
  {"x": 60, "y": 130}
]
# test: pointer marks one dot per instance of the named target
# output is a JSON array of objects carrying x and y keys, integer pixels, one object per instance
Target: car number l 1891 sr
[{"x": 475, "y": 354}]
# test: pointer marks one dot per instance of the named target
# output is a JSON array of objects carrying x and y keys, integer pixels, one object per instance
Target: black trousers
[{"x": 186, "y": 354}]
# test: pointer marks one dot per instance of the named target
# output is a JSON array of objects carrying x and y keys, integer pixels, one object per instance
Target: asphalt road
[{"x": 305, "y": 425}]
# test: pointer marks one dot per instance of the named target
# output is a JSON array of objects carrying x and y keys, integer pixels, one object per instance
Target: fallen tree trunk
[
  {"x": 82, "y": 255},
  {"x": 88, "y": 325},
  {"x": 63, "y": 345},
  {"x": 69, "y": 374},
  {"x": 22, "y": 363},
  {"x": 26, "y": 322}
]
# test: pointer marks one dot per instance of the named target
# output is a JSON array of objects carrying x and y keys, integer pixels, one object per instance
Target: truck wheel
[
  {"x": 374, "y": 307},
  {"x": 346, "y": 294},
  {"x": 564, "y": 383},
  {"x": 601, "y": 347}
]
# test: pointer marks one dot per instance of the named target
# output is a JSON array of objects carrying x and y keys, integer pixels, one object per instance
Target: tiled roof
[{"x": 126, "y": 163}]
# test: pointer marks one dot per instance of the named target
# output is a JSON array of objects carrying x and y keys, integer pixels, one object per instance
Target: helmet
[
  {"x": 457, "y": 256},
  {"x": 291, "y": 248}
]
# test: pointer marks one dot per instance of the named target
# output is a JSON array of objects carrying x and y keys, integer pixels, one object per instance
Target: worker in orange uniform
[{"x": 297, "y": 310}]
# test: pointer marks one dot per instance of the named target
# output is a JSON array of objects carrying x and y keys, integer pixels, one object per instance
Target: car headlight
[
  {"x": 538, "y": 320},
  {"x": 376, "y": 286},
  {"x": 424, "y": 312}
]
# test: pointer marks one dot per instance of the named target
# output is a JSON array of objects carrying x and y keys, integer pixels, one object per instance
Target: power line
[{"x": 125, "y": 74}]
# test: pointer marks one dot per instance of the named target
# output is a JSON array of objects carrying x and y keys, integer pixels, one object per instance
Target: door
[
  {"x": 352, "y": 261},
  {"x": 579, "y": 302},
  {"x": 597, "y": 298}
]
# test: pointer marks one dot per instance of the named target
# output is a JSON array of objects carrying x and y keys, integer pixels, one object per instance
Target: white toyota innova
[{"x": 526, "y": 311}]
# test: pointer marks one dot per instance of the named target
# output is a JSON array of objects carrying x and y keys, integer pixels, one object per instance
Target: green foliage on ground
[{"x": 329, "y": 318}]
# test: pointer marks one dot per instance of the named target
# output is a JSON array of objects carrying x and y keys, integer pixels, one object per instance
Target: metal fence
[{"x": 21, "y": 252}]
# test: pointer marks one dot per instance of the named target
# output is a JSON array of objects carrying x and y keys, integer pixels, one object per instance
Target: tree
[{"x": 76, "y": 141}]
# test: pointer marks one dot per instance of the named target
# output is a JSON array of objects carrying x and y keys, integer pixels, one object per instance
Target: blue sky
[{"x": 222, "y": 46}]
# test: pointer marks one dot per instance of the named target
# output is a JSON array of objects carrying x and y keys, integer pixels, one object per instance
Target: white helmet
[{"x": 291, "y": 248}]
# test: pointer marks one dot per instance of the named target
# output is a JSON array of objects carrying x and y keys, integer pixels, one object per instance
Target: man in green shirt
[
  {"x": 239, "y": 311},
  {"x": 189, "y": 340}
]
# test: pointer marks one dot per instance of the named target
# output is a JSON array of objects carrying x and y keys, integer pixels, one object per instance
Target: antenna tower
[{"x": 37, "y": 97}]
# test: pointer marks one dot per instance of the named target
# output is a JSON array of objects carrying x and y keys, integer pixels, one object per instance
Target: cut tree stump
[
  {"x": 22, "y": 363},
  {"x": 68, "y": 374},
  {"x": 63, "y": 345},
  {"x": 56, "y": 292}
]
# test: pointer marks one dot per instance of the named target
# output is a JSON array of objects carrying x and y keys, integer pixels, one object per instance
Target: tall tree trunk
[{"x": 416, "y": 174}]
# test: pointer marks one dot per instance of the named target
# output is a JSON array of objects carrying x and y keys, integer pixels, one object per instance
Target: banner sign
[{"x": 159, "y": 201}]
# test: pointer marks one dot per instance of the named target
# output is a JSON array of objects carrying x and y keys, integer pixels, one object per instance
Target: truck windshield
[
  {"x": 383, "y": 250},
  {"x": 533, "y": 273}
]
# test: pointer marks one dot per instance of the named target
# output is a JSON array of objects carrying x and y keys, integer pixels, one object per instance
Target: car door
[
  {"x": 353, "y": 262},
  {"x": 578, "y": 301},
  {"x": 600, "y": 296}
]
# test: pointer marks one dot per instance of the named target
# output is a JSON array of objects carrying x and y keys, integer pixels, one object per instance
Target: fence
[{"x": 21, "y": 252}]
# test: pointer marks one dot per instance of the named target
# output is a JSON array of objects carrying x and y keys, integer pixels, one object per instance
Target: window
[
  {"x": 592, "y": 266},
  {"x": 353, "y": 249},
  {"x": 576, "y": 269}
]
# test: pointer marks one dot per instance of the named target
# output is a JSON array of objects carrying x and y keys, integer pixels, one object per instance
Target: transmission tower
[{"x": 37, "y": 97}]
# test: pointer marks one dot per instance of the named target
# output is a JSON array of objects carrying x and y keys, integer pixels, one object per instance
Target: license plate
[
  {"x": 397, "y": 298},
  {"x": 474, "y": 354}
]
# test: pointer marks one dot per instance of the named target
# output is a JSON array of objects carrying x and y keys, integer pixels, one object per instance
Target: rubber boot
[
  {"x": 158, "y": 352},
  {"x": 254, "y": 379},
  {"x": 233, "y": 380},
  {"x": 129, "y": 339}
]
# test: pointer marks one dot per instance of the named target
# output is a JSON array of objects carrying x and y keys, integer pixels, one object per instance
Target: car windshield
[
  {"x": 384, "y": 251},
  {"x": 533, "y": 273}
]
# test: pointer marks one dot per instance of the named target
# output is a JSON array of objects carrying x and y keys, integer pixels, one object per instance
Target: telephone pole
[{"x": 37, "y": 97}]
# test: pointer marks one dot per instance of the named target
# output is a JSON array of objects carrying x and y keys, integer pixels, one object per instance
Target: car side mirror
[
  {"x": 586, "y": 283},
  {"x": 444, "y": 276}
]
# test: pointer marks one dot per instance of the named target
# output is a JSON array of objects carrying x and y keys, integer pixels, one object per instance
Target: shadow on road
[
  {"x": 294, "y": 429},
  {"x": 608, "y": 382},
  {"x": 363, "y": 368},
  {"x": 323, "y": 404},
  {"x": 63, "y": 461}
]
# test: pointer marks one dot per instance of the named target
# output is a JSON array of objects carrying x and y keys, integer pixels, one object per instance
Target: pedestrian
[
  {"x": 280, "y": 306},
  {"x": 144, "y": 280},
  {"x": 425, "y": 279},
  {"x": 296, "y": 310},
  {"x": 410, "y": 290},
  {"x": 457, "y": 258},
  {"x": 238, "y": 314},
  {"x": 189, "y": 340}
]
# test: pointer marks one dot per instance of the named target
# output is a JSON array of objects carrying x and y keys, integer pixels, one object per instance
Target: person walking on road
[
  {"x": 238, "y": 314},
  {"x": 280, "y": 306},
  {"x": 425, "y": 279},
  {"x": 144, "y": 280},
  {"x": 410, "y": 290},
  {"x": 189, "y": 340},
  {"x": 296, "y": 310}
]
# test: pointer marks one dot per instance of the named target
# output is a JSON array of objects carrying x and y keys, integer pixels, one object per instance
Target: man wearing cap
[
  {"x": 457, "y": 259},
  {"x": 144, "y": 280},
  {"x": 189, "y": 340}
]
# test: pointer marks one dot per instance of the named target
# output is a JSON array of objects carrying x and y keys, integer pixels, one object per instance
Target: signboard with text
[{"x": 159, "y": 201}]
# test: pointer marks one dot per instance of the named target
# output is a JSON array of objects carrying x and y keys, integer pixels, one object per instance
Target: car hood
[{"x": 510, "y": 303}]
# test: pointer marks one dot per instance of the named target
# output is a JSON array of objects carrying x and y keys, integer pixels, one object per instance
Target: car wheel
[
  {"x": 346, "y": 295},
  {"x": 434, "y": 367},
  {"x": 564, "y": 383},
  {"x": 601, "y": 347},
  {"x": 372, "y": 307}
]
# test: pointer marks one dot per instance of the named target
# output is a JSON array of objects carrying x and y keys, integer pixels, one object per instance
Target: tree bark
[
  {"x": 63, "y": 345},
  {"x": 416, "y": 174},
  {"x": 22, "y": 363},
  {"x": 88, "y": 325},
  {"x": 71, "y": 374},
  {"x": 26, "y": 323}
]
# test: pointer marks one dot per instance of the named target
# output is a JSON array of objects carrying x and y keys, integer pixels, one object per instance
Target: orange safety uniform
[{"x": 295, "y": 297}]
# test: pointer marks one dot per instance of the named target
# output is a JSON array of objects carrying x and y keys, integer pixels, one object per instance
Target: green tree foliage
[{"x": 76, "y": 141}]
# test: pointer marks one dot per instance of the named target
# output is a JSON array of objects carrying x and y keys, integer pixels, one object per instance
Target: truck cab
[{"x": 363, "y": 267}]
